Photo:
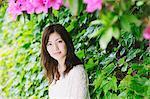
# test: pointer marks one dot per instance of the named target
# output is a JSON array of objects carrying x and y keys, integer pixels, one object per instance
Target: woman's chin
[{"x": 59, "y": 57}]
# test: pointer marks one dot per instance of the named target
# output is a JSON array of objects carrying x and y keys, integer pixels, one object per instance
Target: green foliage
[{"x": 109, "y": 43}]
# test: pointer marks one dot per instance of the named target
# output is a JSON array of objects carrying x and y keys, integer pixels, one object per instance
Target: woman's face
[{"x": 56, "y": 46}]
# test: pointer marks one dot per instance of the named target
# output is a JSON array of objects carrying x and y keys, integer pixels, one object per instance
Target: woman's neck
[{"x": 61, "y": 66}]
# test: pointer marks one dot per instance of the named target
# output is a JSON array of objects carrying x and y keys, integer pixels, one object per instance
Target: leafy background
[{"x": 109, "y": 42}]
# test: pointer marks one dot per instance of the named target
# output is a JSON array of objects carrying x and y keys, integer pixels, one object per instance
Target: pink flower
[
  {"x": 56, "y": 4},
  {"x": 14, "y": 9},
  {"x": 93, "y": 5},
  {"x": 21, "y": 4},
  {"x": 29, "y": 7},
  {"x": 146, "y": 33},
  {"x": 41, "y": 5}
]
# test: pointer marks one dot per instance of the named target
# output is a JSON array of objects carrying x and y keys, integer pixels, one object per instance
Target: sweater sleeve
[{"x": 79, "y": 88}]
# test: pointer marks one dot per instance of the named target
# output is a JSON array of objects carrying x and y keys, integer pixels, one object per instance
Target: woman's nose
[{"x": 55, "y": 47}]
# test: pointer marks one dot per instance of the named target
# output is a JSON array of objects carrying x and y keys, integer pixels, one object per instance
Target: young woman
[{"x": 65, "y": 72}]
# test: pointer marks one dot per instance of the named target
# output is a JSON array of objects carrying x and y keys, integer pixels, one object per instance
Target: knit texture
[{"x": 72, "y": 86}]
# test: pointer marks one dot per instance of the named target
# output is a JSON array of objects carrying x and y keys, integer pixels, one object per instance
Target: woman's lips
[{"x": 57, "y": 52}]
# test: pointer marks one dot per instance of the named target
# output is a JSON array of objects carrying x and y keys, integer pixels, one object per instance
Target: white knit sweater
[{"x": 73, "y": 86}]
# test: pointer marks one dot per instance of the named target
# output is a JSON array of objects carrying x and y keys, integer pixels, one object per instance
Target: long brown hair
[{"x": 49, "y": 63}]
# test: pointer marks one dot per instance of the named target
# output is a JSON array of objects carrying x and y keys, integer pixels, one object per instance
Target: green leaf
[
  {"x": 108, "y": 69},
  {"x": 80, "y": 6},
  {"x": 96, "y": 22},
  {"x": 98, "y": 81},
  {"x": 134, "y": 19},
  {"x": 26, "y": 45},
  {"x": 124, "y": 68},
  {"x": 55, "y": 12},
  {"x": 138, "y": 85},
  {"x": 125, "y": 23},
  {"x": 140, "y": 3},
  {"x": 123, "y": 94},
  {"x": 72, "y": 25},
  {"x": 129, "y": 71},
  {"x": 105, "y": 38},
  {"x": 97, "y": 32},
  {"x": 116, "y": 33},
  {"x": 121, "y": 61},
  {"x": 147, "y": 60},
  {"x": 107, "y": 87},
  {"x": 114, "y": 83},
  {"x": 136, "y": 66},
  {"x": 104, "y": 82},
  {"x": 33, "y": 97},
  {"x": 80, "y": 53},
  {"x": 125, "y": 83},
  {"x": 132, "y": 54},
  {"x": 90, "y": 64},
  {"x": 123, "y": 5}
]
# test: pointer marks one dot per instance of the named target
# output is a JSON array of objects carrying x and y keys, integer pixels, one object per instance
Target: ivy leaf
[
  {"x": 107, "y": 87},
  {"x": 116, "y": 33},
  {"x": 125, "y": 83},
  {"x": 114, "y": 83},
  {"x": 97, "y": 32},
  {"x": 33, "y": 97},
  {"x": 140, "y": 3},
  {"x": 124, "y": 68},
  {"x": 72, "y": 25},
  {"x": 80, "y": 6},
  {"x": 125, "y": 23},
  {"x": 96, "y": 22},
  {"x": 105, "y": 38},
  {"x": 121, "y": 61},
  {"x": 108, "y": 69},
  {"x": 80, "y": 53},
  {"x": 132, "y": 54},
  {"x": 134, "y": 19},
  {"x": 90, "y": 64},
  {"x": 98, "y": 81},
  {"x": 138, "y": 85},
  {"x": 55, "y": 12}
]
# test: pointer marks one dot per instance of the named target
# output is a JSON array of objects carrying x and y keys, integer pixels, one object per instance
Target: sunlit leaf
[{"x": 105, "y": 38}]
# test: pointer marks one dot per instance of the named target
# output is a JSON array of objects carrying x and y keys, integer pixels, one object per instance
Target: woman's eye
[
  {"x": 60, "y": 41},
  {"x": 49, "y": 44}
]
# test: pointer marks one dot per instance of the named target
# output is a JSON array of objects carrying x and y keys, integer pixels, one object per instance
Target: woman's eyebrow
[{"x": 55, "y": 40}]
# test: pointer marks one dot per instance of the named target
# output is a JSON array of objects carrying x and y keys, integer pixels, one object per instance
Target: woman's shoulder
[{"x": 78, "y": 70}]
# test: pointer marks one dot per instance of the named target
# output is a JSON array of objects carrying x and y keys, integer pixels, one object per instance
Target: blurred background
[{"x": 111, "y": 37}]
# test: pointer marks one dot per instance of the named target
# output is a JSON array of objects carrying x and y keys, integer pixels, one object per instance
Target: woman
[{"x": 64, "y": 70}]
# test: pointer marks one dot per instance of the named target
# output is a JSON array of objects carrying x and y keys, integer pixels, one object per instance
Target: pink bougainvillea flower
[
  {"x": 41, "y": 5},
  {"x": 29, "y": 7},
  {"x": 46, "y": 3},
  {"x": 146, "y": 33},
  {"x": 14, "y": 9},
  {"x": 56, "y": 4},
  {"x": 21, "y": 4},
  {"x": 17, "y": 6},
  {"x": 93, "y": 5}
]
